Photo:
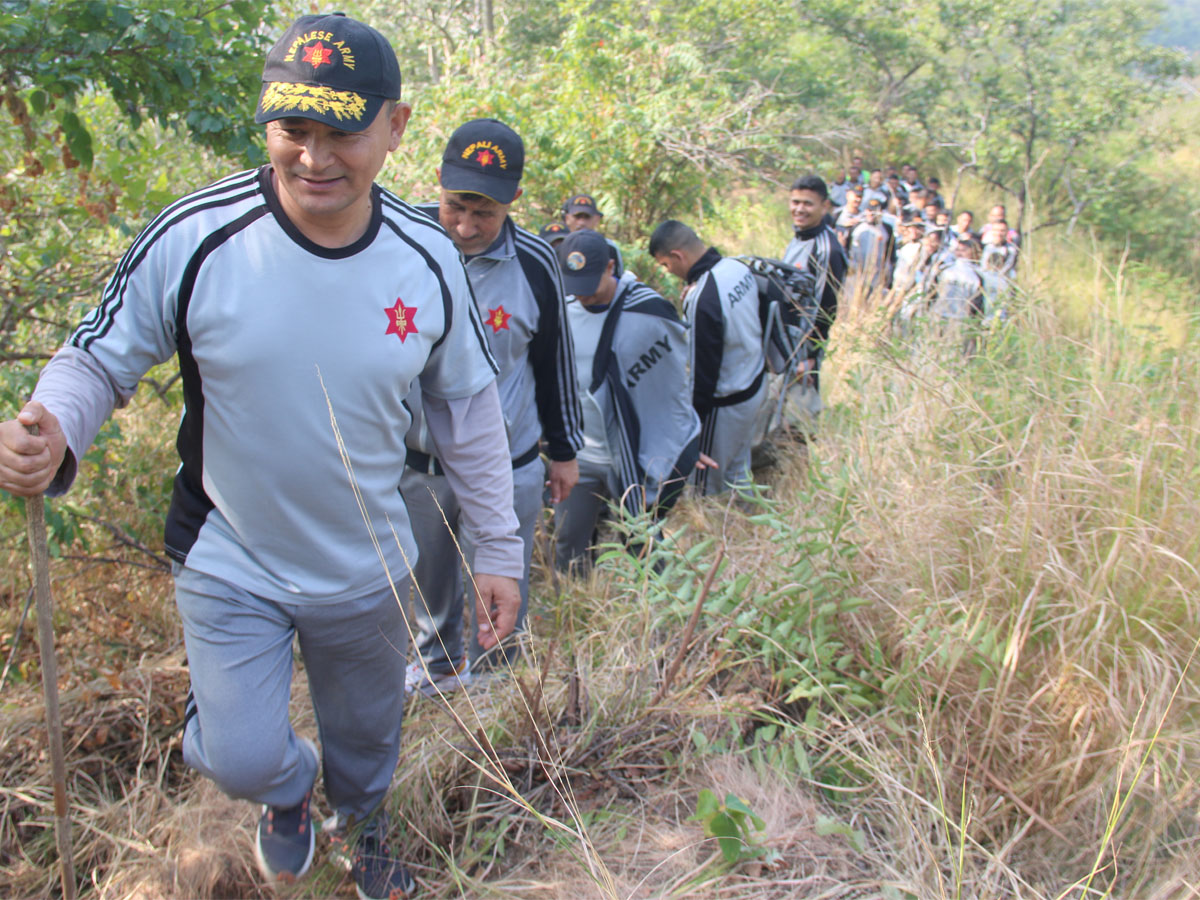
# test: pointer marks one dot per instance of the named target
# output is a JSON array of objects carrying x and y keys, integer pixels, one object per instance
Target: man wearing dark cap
[
  {"x": 518, "y": 292},
  {"x": 302, "y": 301},
  {"x": 640, "y": 432},
  {"x": 553, "y": 233},
  {"x": 579, "y": 212}
]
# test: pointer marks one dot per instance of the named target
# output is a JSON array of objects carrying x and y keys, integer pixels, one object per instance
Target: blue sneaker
[
  {"x": 285, "y": 841},
  {"x": 377, "y": 874}
]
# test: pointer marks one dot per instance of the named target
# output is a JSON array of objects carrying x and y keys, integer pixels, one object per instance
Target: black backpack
[{"x": 787, "y": 308}]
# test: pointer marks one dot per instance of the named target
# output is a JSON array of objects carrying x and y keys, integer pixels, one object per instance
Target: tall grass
[
  {"x": 1029, "y": 521},
  {"x": 948, "y": 653}
]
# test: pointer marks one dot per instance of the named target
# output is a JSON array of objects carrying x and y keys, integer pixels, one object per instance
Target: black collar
[{"x": 710, "y": 258}]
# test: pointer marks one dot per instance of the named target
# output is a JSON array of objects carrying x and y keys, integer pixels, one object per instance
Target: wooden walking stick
[{"x": 35, "y": 514}]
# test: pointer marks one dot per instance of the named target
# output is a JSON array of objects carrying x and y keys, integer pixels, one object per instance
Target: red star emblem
[
  {"x": 318, "y": 54},
  {"x": 400, "y": 320},
  {"x": 498, "y": 319},
  {"x": 484, "y": 158}
]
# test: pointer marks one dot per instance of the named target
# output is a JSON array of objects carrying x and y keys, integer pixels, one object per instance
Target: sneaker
[
  {"x": 432, "y": 683},
  {"x": 377, "y": 874},
  {"x": 284, "y": 841}
]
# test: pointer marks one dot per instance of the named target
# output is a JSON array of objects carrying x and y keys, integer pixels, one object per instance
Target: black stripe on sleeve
[
  {"x": 551, "y": 350},
  {"x": 190, "y": 503},
  {"x": 708, "y": 343},
  {"x": 834, "y": 259},
  {"x": 100, "y": 320},
  {"x": 645, "y": 300}
]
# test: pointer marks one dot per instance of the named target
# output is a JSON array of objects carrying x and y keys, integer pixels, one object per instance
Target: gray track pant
[
  {"x": 727, "y": 434},
  {"x": 237, "y": 730},
  {"x": 576, "y": 518},
  {"x": 439, "y": 594}
]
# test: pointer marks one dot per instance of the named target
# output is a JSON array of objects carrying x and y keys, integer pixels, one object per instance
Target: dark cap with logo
[
  {"x": 581, "y": 203},
  {"x": 583, "y": 256},
  {"x": 329, "y": 68},
  {"x": 874, "y": 204},
  {"x": 485, "y": 157},
  {"x": 553, "y": 233}
]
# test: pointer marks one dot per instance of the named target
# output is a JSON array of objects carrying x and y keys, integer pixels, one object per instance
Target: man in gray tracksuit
[
  {"x": 641, "y": 434},
  {"x": 518, "y": 290},
  {"x": 302, "y": 301},
  {"x": 813, "y": 248},
  {"x": 728, "y": 364}
]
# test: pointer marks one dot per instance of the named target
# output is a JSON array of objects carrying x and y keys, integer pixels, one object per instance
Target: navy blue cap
[
  {"x": 554, "y": 232},
  {"x": 329, "y": 68},
  {"x": 581, "y": 203},
  {"x": 584, "y": 256},
  {"x": 485, "y": 157}
]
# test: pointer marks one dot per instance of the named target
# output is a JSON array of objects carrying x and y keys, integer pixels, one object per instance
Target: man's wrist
[{"x": 496, "y": 575}]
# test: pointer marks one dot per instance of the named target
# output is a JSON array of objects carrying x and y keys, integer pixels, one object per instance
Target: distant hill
[{"x": 1181, "y": 25}]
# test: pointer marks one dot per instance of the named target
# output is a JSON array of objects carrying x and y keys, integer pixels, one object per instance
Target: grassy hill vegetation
[{"x": 948, "y": 653}]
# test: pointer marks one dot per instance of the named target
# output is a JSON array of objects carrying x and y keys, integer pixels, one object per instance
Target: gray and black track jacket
[
  {"x": 726, "y": 341},
  {"x": 639, "y": 382},
  {"x": 518, "y": 292},
  {"x": 818, "y": 251},
  {"x": 300, "y": 365}
]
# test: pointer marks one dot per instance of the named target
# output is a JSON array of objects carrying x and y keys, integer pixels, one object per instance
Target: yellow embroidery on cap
[
  {"x": 347, "y": 54},
  {"x": 486, "y": 145},
  {"x": 304, "y": 39},
  {"x": 282, "y": 95}
]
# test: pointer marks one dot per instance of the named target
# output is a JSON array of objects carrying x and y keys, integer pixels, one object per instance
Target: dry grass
[
  {"x": 1026, "y": 525},
  {"x": 1030, "y": 522}
]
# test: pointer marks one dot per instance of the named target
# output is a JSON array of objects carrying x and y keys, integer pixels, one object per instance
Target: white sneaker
[{"x": 416, "y": 678}]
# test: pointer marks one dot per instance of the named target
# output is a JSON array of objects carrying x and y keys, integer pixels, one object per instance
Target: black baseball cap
[
  {"x": 584, "y": 256},
  {"x": 554, "y": 232},
  {"x": 329, "y": 68},
  {"x": 581, "y": 203},
  {"x": 874, "y": 203},
  {"x": 485, "y": 157}
]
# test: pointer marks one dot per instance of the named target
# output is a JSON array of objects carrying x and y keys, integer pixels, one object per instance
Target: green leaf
[
  {"x": 77, "y": 138},
  {"x": 827, "y": 825},
  {"x": 706, "y": 805},
  {"x": 734, "y": 802},
  {"x": 725, "y": 830}
]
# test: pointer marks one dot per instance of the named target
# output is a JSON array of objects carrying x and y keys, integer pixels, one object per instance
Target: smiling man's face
[{"x": 324, "y": 175}]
